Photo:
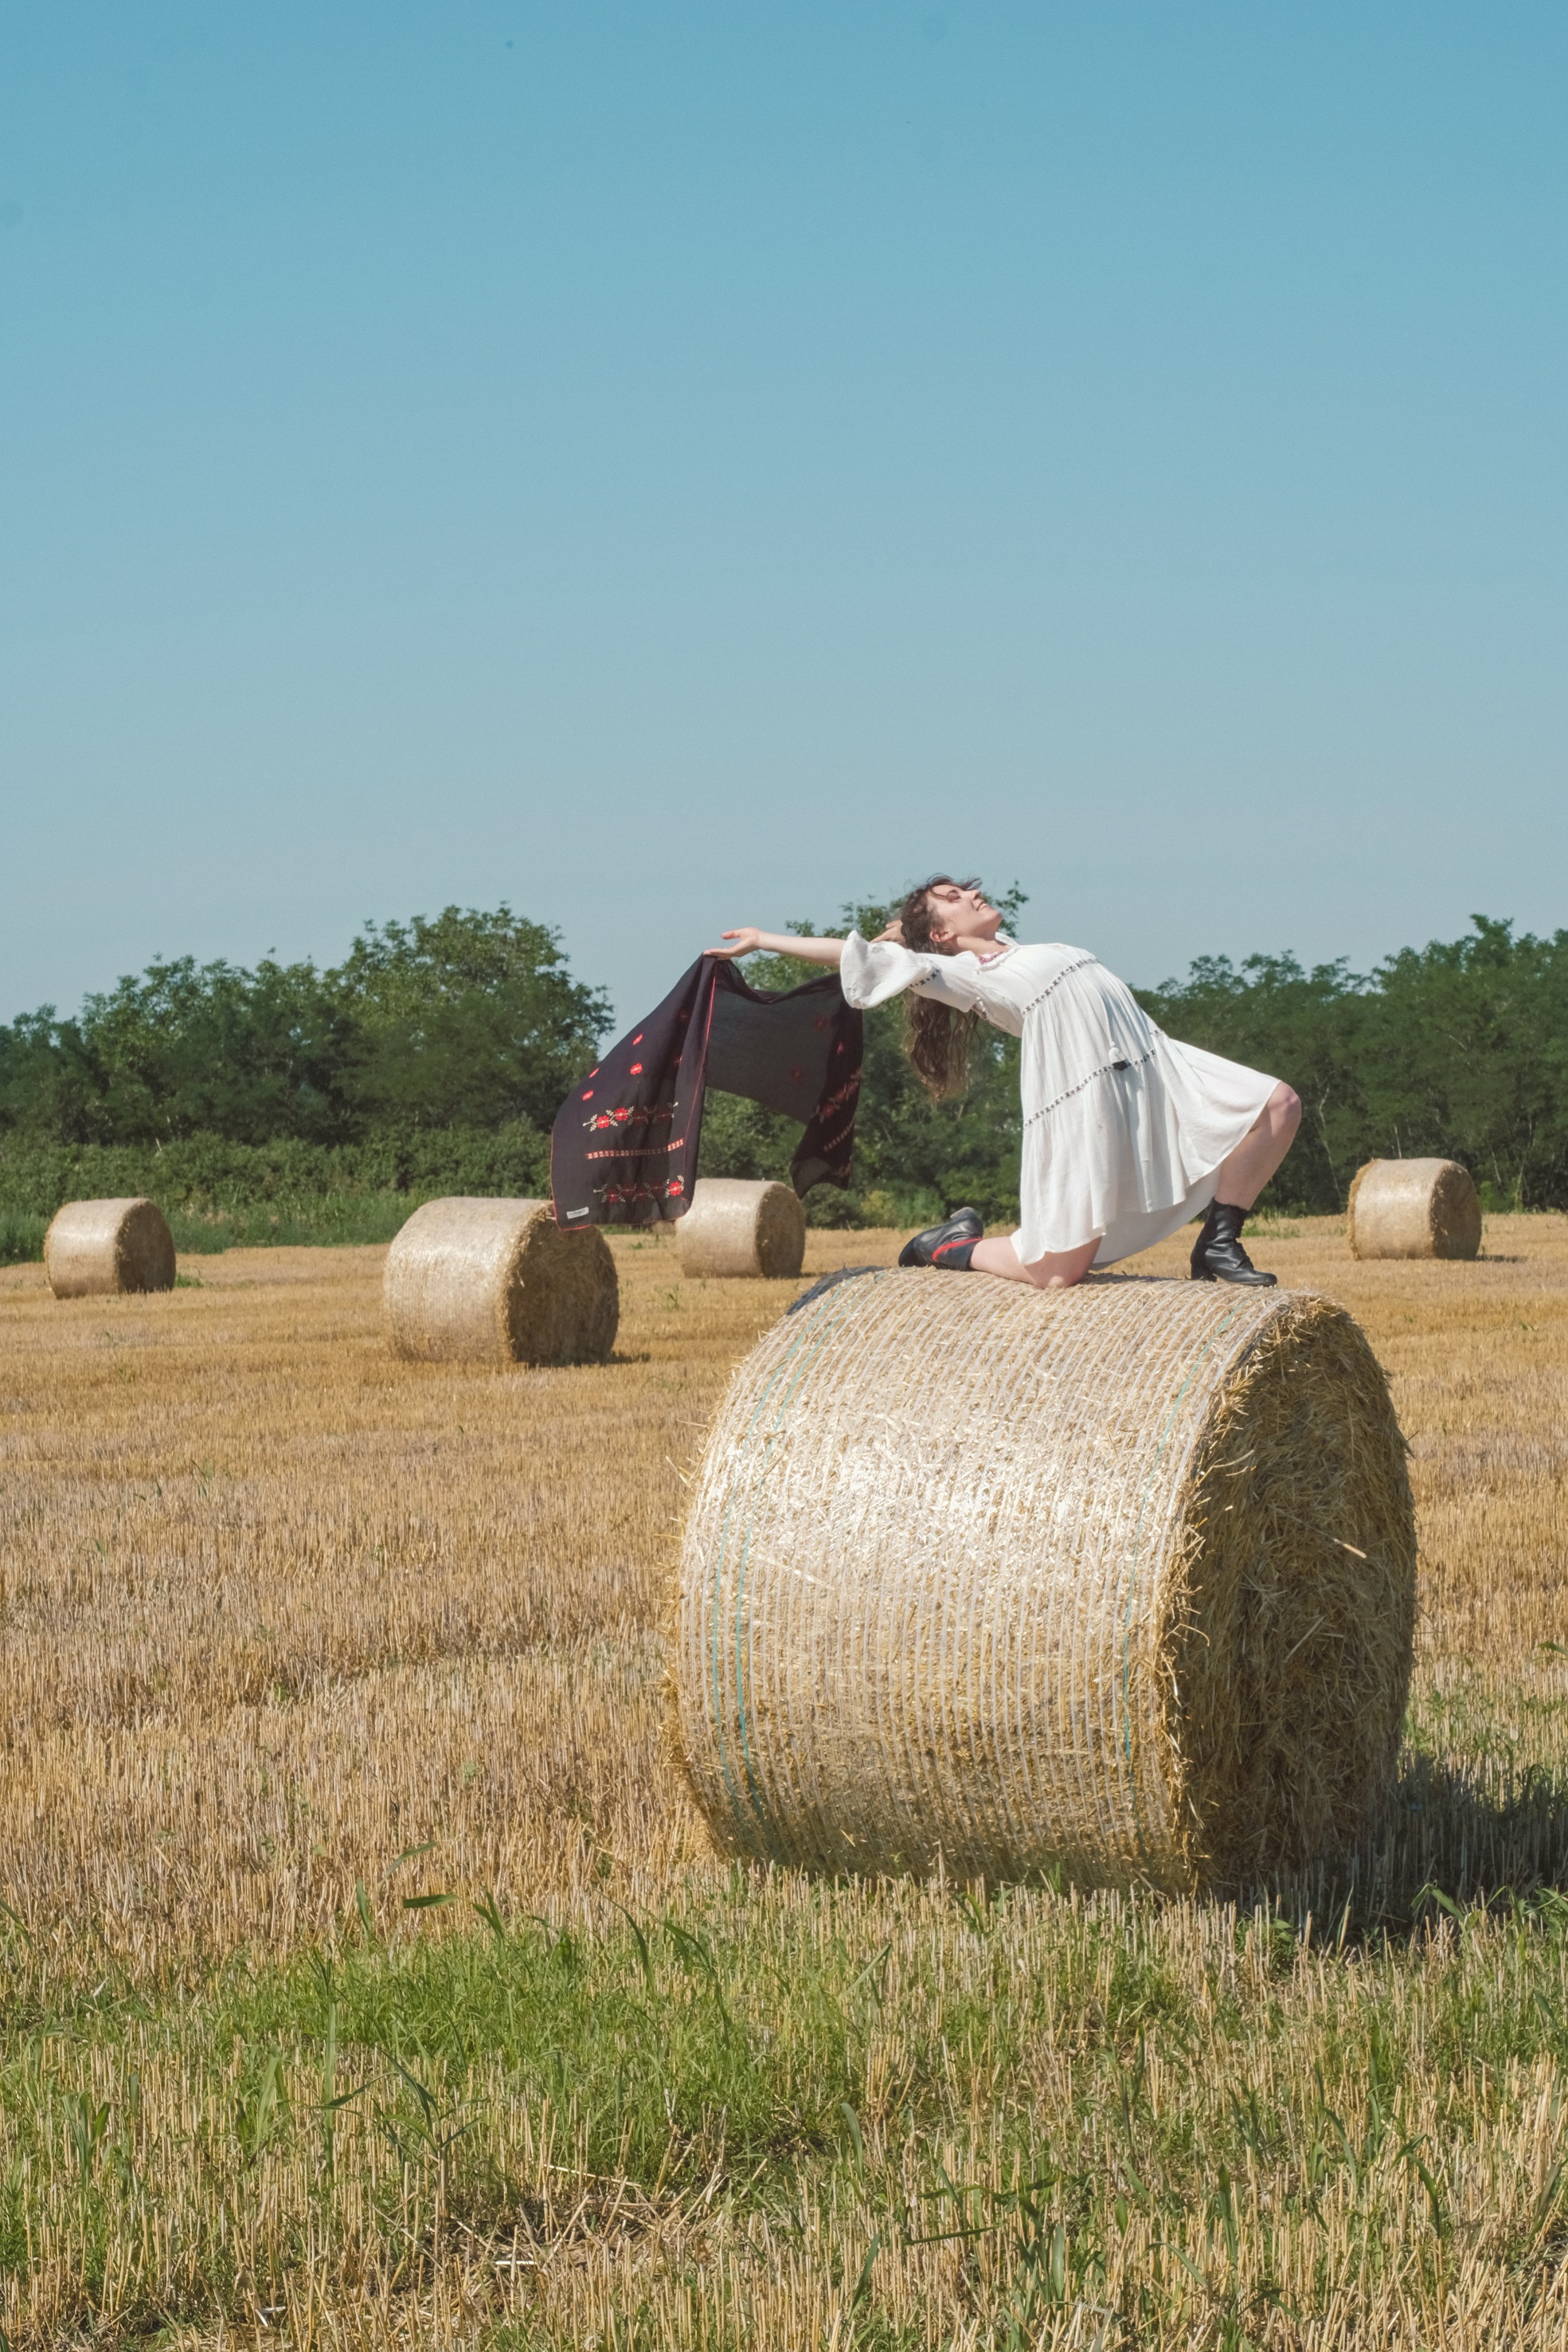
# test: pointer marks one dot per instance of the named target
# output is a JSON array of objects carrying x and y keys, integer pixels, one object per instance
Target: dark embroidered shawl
[{"x": 624, "y": 1147}]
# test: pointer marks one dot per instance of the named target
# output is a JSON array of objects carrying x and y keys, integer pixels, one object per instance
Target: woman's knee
[
  {"x": 1058, "y": 1273},
  {"x": 1285, "y": 1103}
]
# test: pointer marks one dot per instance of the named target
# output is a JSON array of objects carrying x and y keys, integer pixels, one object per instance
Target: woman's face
[{"x": 957, "y": 913}]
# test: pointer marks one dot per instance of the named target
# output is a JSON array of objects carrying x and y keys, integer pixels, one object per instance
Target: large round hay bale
[
  {"x": 1413, "y": 1208},
  {"x": 734, "y": 1227},
  {"x": 93, "y": 1246},
  {"x": 497, "y": 1282},
  {"x": 1119, "y": 1579}
]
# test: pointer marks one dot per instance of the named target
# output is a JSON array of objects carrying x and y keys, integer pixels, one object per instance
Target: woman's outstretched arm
[
  {"x": 748, "y": 942},
  {"x": 828, "y": 951}
]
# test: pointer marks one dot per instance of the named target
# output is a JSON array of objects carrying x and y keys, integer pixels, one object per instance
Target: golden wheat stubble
[{"x": 277, "y": 1607}]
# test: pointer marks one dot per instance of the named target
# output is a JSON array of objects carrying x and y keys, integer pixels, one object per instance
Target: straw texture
[
  {"x": 1120, "y": 1580},
  {"x": 497, "y": 1282},
  {"x": 734, "y": 1227},
  {"x": 94, "y": 1246},
  {"x": 1413, "y": 1208}
]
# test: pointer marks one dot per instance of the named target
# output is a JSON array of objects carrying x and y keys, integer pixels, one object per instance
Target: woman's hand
[
  {"x": 738, "y": 943},
  {"x": 894, "y": 932}
]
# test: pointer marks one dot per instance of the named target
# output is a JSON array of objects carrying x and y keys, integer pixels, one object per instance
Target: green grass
[
  {"x": 1059, "y": 2082},
  {"x": 309, "y": 1219},
  {"x": 318, "y": 1219},
  {"x": 222, "y": 1196},
  {"x": 21, "y": 1236}
]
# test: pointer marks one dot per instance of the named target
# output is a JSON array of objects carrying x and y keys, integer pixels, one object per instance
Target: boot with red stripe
[{"x": 950, "y": 1245}]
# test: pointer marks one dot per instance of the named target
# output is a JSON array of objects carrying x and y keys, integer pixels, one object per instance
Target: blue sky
[{"x": 669, "y": 466}]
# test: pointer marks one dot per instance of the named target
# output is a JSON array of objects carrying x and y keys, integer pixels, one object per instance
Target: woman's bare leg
[
  {"x": 1243, "y": 1175},
  {"x": 1056, "y": 1271}
]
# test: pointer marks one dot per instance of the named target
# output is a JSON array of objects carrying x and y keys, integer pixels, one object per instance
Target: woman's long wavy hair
[{"x": 936, "y": 1039}]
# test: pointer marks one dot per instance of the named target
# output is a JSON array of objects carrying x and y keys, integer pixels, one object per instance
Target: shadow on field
[{"x": 1450, "y": 1839}]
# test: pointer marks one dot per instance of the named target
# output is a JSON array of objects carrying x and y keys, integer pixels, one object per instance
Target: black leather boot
[
  {"x": 950, "y": 1245},
  {"x": 1217, "y": 1254}
]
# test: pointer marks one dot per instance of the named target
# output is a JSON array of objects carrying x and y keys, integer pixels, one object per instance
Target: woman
[{"x": 1126, "y": 1134}]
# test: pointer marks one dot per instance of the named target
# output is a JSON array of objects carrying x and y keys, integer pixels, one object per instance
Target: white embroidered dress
[{"x": 1123, "y": 1127}]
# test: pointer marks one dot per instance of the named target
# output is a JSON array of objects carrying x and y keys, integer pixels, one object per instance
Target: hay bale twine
[
  {"x": 1413, "y": 1208},
  {"x": 1120, "y": 1578},
  {"x": 94, "y": 1246},
  {"x": 734, "y": 1227},
  {"x": 497, "y": 1282}
]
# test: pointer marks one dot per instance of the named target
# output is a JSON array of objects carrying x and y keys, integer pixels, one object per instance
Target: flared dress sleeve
[{"x": 873, "y": 971}]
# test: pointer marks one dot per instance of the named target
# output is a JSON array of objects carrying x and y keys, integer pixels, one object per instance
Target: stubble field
[{"x": 367, "y": 1977}]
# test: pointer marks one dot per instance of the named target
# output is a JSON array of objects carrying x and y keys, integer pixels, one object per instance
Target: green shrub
[
  {"x": 21, "y": 1236},
  {"x": 221, "y": 1195}
]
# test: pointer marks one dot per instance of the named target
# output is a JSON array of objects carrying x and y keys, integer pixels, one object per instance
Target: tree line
[
  {"x": 464, "y": 1020},
  {"x": 434, "y": 1055}
]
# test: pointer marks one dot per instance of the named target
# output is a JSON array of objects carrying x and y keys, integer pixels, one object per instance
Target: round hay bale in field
[
  {"x": 94, "y": 1246},
  {"x": 734, "y": 1227},
  {"x": 1119, "y": 1579},
  {"x": 1413, "y": 1208},
  {"x": 497, "y": 1282}
]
